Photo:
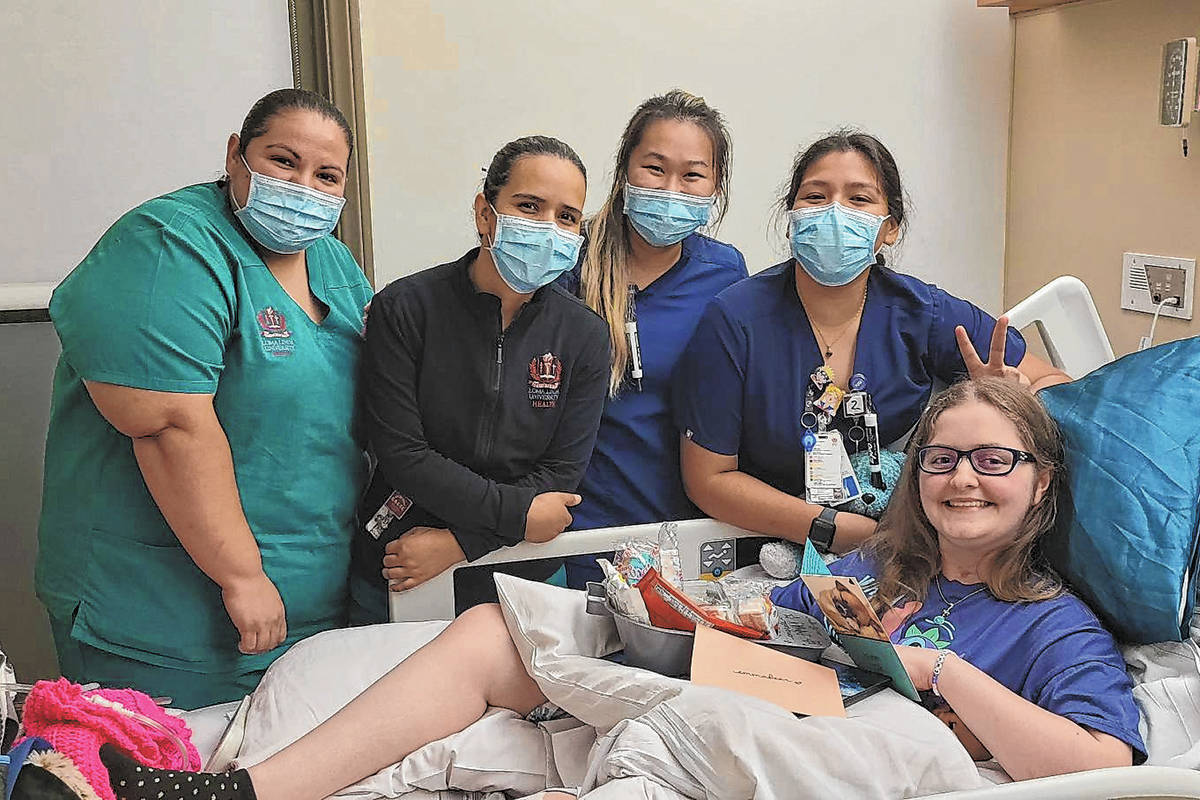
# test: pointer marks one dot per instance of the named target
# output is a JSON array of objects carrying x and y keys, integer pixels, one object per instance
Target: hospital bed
[{"x": 1064, "y": 316}]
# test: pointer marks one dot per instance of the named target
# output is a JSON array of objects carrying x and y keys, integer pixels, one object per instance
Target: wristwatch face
[{"x": 821, "y": 532}]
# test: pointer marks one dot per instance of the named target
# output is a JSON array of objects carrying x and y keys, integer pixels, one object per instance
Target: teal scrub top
[{"x": 173, "y": 298}]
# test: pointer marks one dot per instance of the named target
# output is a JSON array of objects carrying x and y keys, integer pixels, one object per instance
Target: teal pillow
[{"x": 1126, "y": 540}]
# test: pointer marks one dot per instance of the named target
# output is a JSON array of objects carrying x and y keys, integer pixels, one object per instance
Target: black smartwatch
[{"x": 822, "y": 529}]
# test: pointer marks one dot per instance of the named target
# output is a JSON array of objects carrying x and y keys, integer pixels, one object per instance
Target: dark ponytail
[
  {"x": 499, "y": 171},
  {"x": 261, "y": 113}
]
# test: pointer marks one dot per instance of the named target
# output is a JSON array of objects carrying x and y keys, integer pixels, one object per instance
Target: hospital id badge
[
  {"x": 849, "y": 479},
  {"x": 395, "y": 507},
  {"x": 823, "y": 469}
]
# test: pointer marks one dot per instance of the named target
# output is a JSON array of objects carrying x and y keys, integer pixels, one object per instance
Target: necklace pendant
[{"x": 828, "y": 353}]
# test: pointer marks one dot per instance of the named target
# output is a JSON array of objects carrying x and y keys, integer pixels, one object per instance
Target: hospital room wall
[
  {"x": 447, "y": 83},
  {"x": 1092, "y": 174},
  {"x": 106, "y": 105}
]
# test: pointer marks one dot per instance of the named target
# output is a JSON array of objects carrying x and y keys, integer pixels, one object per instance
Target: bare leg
[{"x": 438, "y": 690}]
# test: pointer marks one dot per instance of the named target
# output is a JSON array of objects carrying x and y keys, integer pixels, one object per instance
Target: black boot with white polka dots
[{"x": 133, "y": 781}]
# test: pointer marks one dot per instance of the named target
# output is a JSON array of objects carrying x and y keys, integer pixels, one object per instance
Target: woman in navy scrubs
[
  {"x": 646, "y": 263},
  {"x": 740, "y": 390}
]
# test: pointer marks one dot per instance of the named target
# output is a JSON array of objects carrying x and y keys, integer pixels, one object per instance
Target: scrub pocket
[
  {"x": 312, "y": 578},
  {"x": 151, "y": 603}
]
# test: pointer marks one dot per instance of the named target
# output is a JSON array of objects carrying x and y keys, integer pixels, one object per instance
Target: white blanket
[
  {"x": 633, "y": 734},
  {"x": 1166, "y": 688},
  {"x": 709, "y": 743}
]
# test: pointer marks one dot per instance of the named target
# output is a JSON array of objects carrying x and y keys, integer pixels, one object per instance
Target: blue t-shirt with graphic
[{"x": 1054, "y": 653}]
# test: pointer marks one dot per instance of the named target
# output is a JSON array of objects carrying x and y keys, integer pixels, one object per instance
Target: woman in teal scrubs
[{"x": 201, "y": 464}]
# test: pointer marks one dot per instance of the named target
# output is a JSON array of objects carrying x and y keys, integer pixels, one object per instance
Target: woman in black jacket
[{"x": 484, "y": 383}]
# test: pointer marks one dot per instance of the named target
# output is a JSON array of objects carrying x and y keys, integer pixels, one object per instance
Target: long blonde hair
[
  {"x": 604, "y": 277},
  {"x": 905, "y": 546}
]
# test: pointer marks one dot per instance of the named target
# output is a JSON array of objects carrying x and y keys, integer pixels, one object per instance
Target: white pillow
[{"x": 560, "y": 644}]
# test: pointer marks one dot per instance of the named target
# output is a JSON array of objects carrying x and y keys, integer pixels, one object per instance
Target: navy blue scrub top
[
  {"x": 739, "y": 387},
  {"x": 633, "y": 476}
]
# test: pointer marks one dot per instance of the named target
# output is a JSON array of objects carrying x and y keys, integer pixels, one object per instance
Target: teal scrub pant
[{"x": 83, "y": 664}]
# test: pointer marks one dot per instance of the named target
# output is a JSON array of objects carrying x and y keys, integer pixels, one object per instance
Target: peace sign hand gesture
[{"x": 994, "y": 367}]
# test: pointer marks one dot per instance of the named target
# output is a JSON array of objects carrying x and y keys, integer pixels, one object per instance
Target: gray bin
[{"x": 669, "y": 652}]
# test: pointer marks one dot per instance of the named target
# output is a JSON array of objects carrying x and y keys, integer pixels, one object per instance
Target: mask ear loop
[
  {"x": 882, "y": 260},
  {"x": 233, "y": 198},
  {"x": 483, "y": 237}
]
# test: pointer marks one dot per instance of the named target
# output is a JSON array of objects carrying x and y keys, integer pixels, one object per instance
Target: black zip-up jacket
[{"x": 470, "y": 421}]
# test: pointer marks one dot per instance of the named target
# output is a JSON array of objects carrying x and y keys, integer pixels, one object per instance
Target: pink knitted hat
[{"x": 59, "y": 712}]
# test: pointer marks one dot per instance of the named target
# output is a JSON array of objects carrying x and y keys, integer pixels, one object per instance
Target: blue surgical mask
[
  {"x": 285, "y": 217},
  {"x": 833, "y": 243},
  {"x": 664, "y": 218},
  {"x": 531, "y": 253}
]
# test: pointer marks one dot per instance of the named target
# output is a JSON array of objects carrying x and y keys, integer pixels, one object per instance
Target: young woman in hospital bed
[
  {"x": 739, "y": 393},
  {"x": 1024, "y": 672}
]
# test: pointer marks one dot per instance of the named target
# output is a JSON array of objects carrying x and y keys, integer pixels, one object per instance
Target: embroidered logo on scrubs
[
  {"x": 276, "y": 339},
  {"x": 545, "y": 376}
]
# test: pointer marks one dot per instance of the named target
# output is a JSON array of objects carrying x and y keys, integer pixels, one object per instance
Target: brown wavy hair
[
  {"x": 905, "y": 546},
  {"x": 604, "y": 278}
]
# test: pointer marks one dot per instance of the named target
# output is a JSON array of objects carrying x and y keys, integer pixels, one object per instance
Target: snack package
[
  {"x": 705, "y": 593},
  {"x": 744, "y": 602},
  {"x": 756, "y": 612},
  {"x": 737, "y": 587},
  {"x": 710, "y": 598},
  {"x": 635, "y": 557},
  {"x": 669, "y": 564},
  {"x": 623, "y": 598},
  {"x": 669, "y": 607}
]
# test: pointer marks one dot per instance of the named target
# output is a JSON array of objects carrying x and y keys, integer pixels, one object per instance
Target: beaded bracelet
[{"x": 937, "y": 671}]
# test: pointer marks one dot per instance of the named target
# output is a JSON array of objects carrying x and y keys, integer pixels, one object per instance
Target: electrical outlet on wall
[
  {"x": 1145, "y": 278},
  {"x": 1166, "y": 283}
]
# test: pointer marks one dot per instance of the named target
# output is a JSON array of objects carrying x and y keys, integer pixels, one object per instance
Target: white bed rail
[
  {"x": 1069, "y": 324},
  {"x": 434, "y": 599},
  {"x": 1097, "y": 784}
]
